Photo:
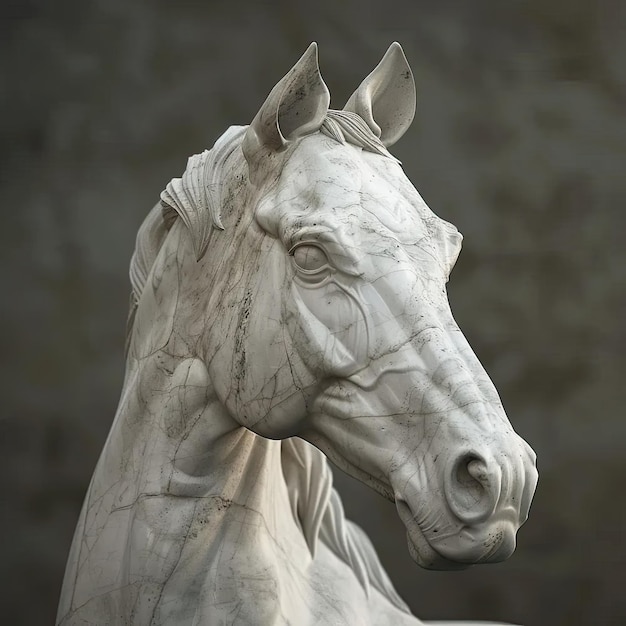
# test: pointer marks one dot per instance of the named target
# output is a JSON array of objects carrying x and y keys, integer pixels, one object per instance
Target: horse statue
[{"x": 289, "y": 305}]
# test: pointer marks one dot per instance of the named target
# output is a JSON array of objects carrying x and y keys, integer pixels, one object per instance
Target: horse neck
[
  {"x": 176, "y": 439},
  {"x": 179, "y": 437}
]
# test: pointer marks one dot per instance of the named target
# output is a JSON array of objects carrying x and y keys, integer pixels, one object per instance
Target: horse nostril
[
  {"x": 477, "y": 469},
  {"x": 472, "y": 488}
]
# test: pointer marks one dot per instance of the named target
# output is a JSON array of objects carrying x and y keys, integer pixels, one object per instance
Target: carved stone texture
[{"x": 288, "y": 305}]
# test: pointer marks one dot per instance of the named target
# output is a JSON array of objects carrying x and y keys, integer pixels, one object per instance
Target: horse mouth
[
  {"x": 466, "y": 550},
  {"x": 420, "y": 549}
]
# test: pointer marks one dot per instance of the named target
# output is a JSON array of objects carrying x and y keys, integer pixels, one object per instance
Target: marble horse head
[{"x": 289, "y": 305}]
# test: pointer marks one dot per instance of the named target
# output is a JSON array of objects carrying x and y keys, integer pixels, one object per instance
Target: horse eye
[{"x": 309, "y": 258}]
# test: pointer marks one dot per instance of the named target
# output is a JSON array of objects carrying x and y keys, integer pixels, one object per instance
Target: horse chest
[{"x": 247, "y": 570}]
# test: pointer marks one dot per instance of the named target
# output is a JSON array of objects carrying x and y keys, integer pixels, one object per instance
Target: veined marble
[{"x": 289, "y": 305}]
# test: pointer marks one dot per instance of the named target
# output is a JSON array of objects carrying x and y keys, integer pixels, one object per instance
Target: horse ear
[
  {"x": 386, "y": 99},
  {"x": 295, "y": 107}
]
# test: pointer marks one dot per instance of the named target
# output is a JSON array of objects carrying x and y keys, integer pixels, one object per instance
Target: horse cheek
[{"x": 327, "y": 329}]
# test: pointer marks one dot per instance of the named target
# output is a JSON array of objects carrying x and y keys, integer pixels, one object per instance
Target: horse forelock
[{"x": 345, "y": 126}]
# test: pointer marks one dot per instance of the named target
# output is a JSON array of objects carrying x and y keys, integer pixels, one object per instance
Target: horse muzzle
[
  {"x": 461, "y": 548},
  {"x": 484, "y": 503}
]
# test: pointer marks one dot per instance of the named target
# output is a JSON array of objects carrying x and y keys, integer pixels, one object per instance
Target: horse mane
[
  {"x": 196, "y": 198},
  {"x": 318, "y": 509}
]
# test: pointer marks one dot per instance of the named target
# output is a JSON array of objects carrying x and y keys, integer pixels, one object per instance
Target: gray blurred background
[{"x": 520, "y": 140}]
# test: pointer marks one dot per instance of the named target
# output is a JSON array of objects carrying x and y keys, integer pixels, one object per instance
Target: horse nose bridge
[
  {"x": 458, "y": 381},
  {"x": 441, "y": 356}
]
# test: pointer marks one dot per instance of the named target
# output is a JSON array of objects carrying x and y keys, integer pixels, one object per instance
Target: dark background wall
[{"x": 520, "y": 141}]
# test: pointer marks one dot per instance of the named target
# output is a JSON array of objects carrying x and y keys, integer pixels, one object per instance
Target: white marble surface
[{"x": 289, "y": 290}]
